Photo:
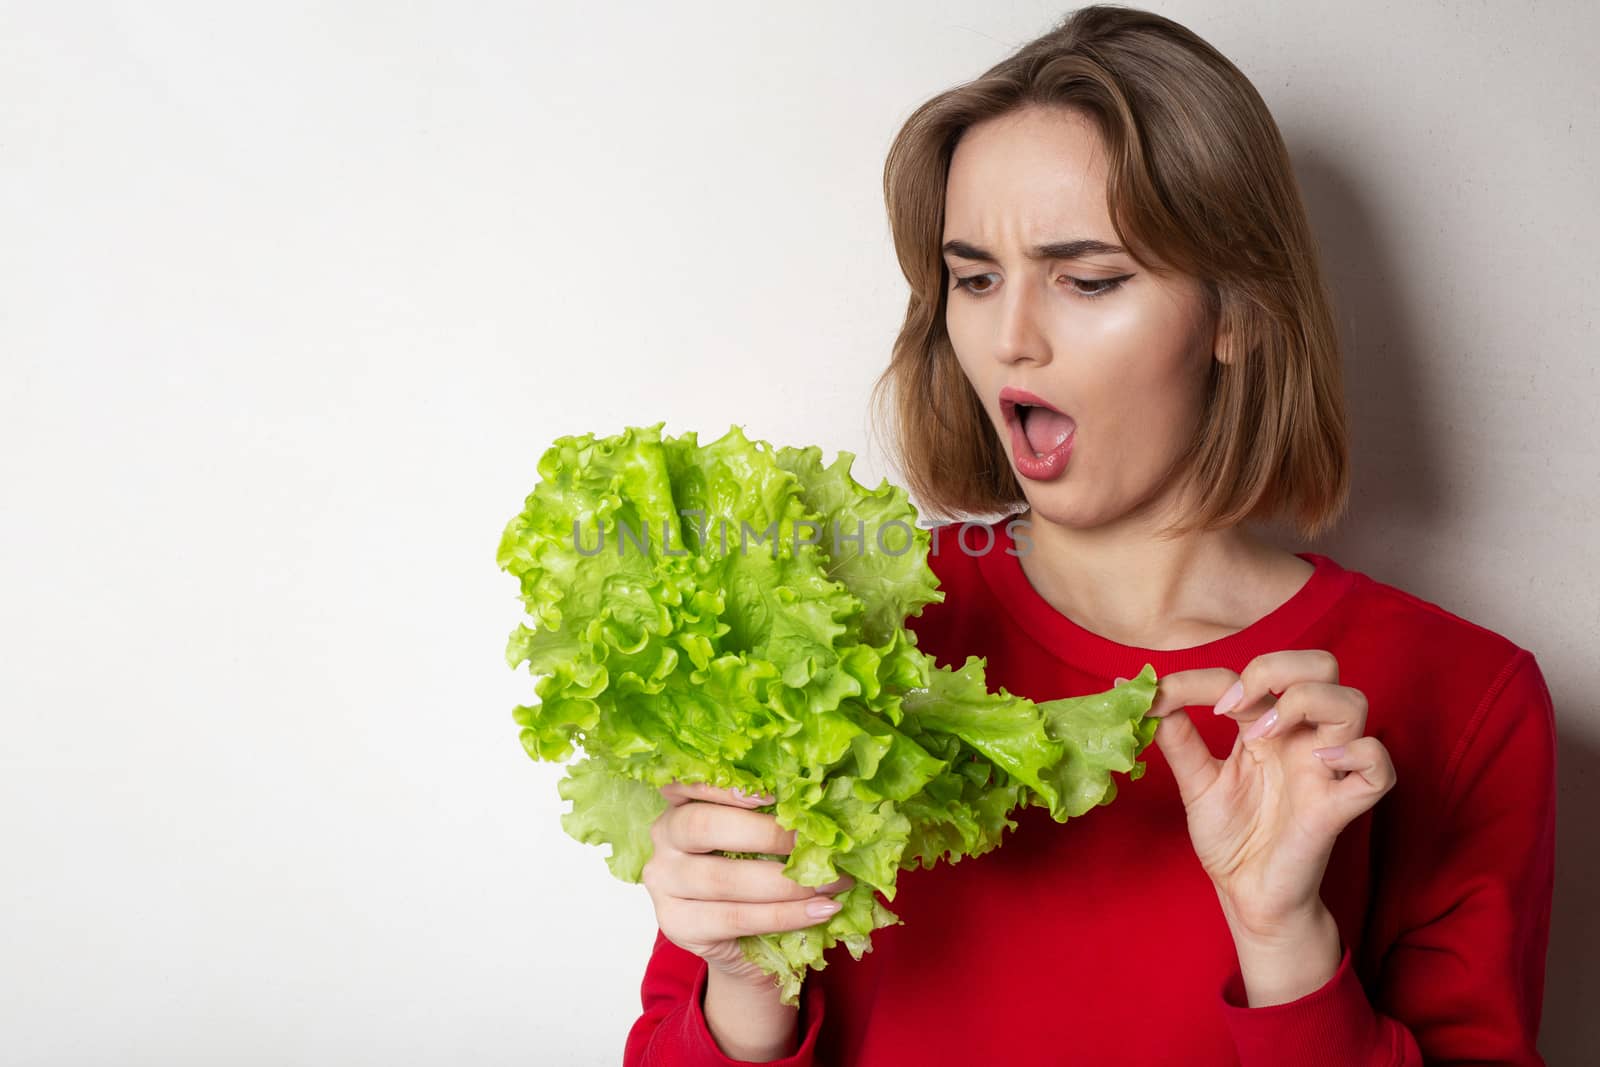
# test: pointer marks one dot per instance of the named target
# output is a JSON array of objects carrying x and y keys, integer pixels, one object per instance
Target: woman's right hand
[{"x": 705, "y": 903}]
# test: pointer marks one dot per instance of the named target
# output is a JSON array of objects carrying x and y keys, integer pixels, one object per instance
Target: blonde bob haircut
[{"x": 1199, "y": 181}]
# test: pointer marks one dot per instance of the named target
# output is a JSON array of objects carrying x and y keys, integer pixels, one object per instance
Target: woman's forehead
[{"x": 1028, "y": 183}]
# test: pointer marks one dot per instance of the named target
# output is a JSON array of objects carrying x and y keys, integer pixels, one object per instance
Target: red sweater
[{"x": 1101, "y": 941}]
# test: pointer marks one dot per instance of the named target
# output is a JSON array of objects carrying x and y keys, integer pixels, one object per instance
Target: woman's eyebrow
[{"x": 1076, "y": 248}]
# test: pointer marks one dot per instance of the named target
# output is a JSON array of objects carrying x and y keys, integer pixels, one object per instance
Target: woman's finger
[
  {"x": 1193, "y": 765},
  {"x": 708, "y": 877},
  {"x": 1192, "y": 688},
  {"x": 678, "y": 793},
  {"x": 1370, "y": 774},
  {"x": 1272, "y": 673},
  {"x": 1339, "y": 713},
  {"x": 701, "y": 827},
  {"x": 710, "y": 921}
]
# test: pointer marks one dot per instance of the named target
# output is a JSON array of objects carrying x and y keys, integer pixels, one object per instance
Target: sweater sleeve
[
  {"x": 672, "y": 1032},
  {"x": 1464, "y": 980}
]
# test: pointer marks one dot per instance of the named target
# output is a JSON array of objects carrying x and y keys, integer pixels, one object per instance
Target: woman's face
[{"x": 1122, "y": 353}]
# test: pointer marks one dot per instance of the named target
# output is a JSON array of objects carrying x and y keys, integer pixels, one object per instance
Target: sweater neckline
[{"x": 1064, "y": 639}]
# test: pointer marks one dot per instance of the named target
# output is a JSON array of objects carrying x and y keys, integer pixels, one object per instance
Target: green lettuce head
[{"x": 734, "y": 613}]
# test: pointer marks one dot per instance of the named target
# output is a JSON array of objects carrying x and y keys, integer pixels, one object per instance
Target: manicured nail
[
  {"x": 1336, "y": 752},
  {"x": 1118, "y": 681},
  {"x": 1230, "y": 699},
  {"x": 1262, "y": 726},
  {"x": 836, "y": 887},
  {"x": 821, "y": 909}
]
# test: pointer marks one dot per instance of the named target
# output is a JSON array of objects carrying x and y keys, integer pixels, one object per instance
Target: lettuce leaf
[{"x": 734, "y": 613}]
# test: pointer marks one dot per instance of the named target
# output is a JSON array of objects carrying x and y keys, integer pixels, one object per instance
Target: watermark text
[{"x": 892, "y": 538}]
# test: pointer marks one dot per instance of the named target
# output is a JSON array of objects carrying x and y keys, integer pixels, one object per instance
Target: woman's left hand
[{"x": 1263, "y": 820}]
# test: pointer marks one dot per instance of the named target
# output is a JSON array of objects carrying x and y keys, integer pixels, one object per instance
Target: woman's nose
[{"x": 1021, "y": 334}]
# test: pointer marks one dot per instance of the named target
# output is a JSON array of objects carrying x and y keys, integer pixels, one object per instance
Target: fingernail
[
  {"x": 1118, "y": 681},
  {"x": 821, "y": 909},
  {"x": 1336, "y": 752},
  {"x": 752, "y": 798},
  {"x": 836, "y": 887},
  {"x": 1262, "y": 726},
  {"x": 1230, "y": 699}
]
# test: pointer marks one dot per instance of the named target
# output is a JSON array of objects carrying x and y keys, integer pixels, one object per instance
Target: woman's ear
[{"x": 1222, "y": 337}]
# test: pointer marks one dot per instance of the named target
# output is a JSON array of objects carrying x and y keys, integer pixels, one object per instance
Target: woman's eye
[
  {"x": 1088, "y": 288},
  {"x": 1097, "y": 286}
]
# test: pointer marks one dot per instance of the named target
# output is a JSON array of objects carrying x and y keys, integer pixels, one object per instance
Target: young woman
[{"x": 1118, "y": 338}]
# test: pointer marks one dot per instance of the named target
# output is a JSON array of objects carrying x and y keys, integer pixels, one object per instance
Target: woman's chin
[{"x": 1050, "y": 504}]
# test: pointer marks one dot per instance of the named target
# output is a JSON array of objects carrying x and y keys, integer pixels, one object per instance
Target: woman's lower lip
[{"x": 1043, "y": 468}]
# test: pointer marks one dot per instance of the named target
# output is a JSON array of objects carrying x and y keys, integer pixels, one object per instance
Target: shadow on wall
[
  {"x": 1571, "y": 1030},
  {"x": 1397, "y": 502}
]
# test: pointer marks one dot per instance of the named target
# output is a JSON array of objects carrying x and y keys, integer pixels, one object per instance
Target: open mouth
[
  {"x": 1040, "y": 424},
  {"x": 1042, "y": 435}
]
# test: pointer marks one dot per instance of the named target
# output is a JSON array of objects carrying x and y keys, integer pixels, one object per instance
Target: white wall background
[{"x": 295, "y": 295}]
